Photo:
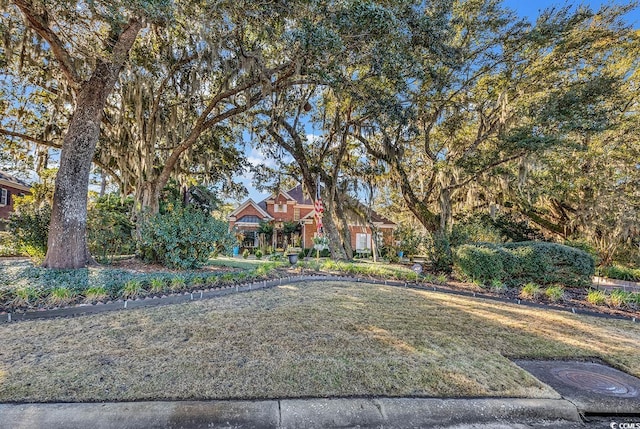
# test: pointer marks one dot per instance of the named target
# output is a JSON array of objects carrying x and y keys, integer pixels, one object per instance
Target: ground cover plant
[
  {"x": 25, "y": 287},
  {"x": 317, "y": 339}
]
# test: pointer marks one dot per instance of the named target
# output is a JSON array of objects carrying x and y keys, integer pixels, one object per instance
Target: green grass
[{"x": 303, "y": 340}]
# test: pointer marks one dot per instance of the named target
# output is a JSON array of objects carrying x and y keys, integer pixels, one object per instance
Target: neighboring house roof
[
  {"x": 7, "y": 179},
  {"x": 247, "y": 203}
]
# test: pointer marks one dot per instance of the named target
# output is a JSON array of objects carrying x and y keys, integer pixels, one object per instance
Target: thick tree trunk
[
  {"x": 344, "y": 229},
  {"x": 332, "y": 232},
  {"x": 148, "y": 197},
  {"x": 67, "y": 242}
]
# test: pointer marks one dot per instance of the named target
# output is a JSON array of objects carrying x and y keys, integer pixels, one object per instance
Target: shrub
[
  {"x": 482, "y": 264},
  {"x": 411, "y": 241},
  {"x": 182, "y": 238},
  {"x": 523, "y": 262},
  {"x": 109, "y": 228},
  {"x": 29, "y": 226},
  {"x": 620, "y": 273},
  {"x": 596, "y": 297},
  {"x": 554, "y": 293},
  {"x": 440, "y": 253},
  {"x": 530, "y": 291},
  {"x": 258, "y": 254},
  {"x": 246, "y": 253}
]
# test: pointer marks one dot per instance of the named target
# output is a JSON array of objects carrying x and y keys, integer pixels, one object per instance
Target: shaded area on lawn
[{"x": 321, "y": 339}]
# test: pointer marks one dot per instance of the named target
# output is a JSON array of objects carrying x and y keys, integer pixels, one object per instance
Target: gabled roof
[
  {"x": 296, "y": 194},
  {"x": 247, "y": 203},
  {"x": 9, "y": 180}
]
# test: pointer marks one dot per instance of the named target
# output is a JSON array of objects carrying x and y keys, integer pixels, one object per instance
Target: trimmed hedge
[{"x": 523, "y": 262}]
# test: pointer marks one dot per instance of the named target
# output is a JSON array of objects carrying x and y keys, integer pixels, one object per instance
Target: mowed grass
[{"x": 304, "y": 340}]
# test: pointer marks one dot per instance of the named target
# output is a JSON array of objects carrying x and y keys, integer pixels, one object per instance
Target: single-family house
[
  {"x": 287, "y": 219},
  {"x": 10, "y": 187}
]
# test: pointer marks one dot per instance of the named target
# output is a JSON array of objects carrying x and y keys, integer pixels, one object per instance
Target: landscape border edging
[{"x": 209, "y": 293}]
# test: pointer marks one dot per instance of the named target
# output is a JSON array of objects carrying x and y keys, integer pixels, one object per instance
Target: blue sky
[{"x": 529, "y": 9}]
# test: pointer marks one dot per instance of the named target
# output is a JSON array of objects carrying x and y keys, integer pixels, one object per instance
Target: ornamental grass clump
[
  {"x": 157, "y": 285},
  {"x": 177, "y": 283},
  {"x": 530, "y": 291},
  {"x": 554, "y": 293},
  {"x": 133, "y": 289},
  {"x": 95, "y": 294},
  {"x": 596, "y": 297},
  {"x": 60, "y": 296},
  {"x": 619, "y": 298}
]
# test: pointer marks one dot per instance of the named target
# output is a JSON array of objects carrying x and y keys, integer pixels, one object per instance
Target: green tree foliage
[
  {"x": 29, "y": 227},
  {"x": 109, "y": 228}
]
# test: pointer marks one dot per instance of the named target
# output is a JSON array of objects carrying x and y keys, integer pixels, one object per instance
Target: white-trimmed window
[
  {"x": 363, "y": 241},
  {"x": 280, "y": 208},
  {"x": 4, "y": 197}
]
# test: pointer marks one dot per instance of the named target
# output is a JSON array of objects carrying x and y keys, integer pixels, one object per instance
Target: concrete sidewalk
[{"x": 298, "y": 413}]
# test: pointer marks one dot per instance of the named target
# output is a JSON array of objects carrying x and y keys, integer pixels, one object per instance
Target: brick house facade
[
  {"x": 290, "y": 215},
  {"x": 10, "y": 187}
]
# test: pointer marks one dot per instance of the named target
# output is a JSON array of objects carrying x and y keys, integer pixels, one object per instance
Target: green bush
[
  {"x": 620, "y": 273},
  {"x": 440, "y": 253},
  {"x": 29, "y": 227},
  {"x": 109, "y": 228},
  {"x": 523, "y": 262},
  {"x": 182, "y": 238},
  {"x": 258, "y": 254},
  {"x": 245, "y": 253}
]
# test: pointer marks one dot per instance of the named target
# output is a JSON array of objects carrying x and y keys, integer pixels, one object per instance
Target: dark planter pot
[{"x": 293, "y": 259}]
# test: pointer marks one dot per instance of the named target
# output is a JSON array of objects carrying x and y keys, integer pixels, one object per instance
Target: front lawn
[{"x": 317, "y": 339}]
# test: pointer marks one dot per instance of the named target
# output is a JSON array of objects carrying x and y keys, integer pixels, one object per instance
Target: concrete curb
[{"x": 289, "y": 413}]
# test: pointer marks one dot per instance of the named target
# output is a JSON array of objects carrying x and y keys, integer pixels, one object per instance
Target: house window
[
  {"x": 363, "y": 241},
  {"x": 280, "y": 208},
  {"x": 249, "y": 219},
  {"x": 4, "y": 197},
  {"x": 296, "y": 214}
]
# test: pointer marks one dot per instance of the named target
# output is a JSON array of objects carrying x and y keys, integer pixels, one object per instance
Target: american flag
[{"x": 319, "y": 209}]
